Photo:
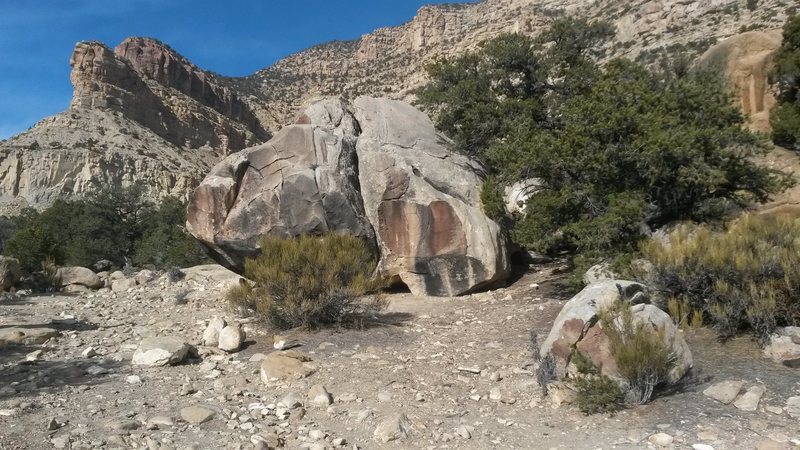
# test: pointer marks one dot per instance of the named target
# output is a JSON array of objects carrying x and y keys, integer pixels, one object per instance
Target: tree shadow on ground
[
  {"x": 29, "y": 378},
  {"x": 19, "y": 377}
]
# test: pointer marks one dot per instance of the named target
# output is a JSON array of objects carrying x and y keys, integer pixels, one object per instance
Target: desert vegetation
[
  {"x": 744, "y": 278},
  {"x": 620, "y": 149},
  {"x": 119, "y": 225},
  {"x": 309, "y": 281}
]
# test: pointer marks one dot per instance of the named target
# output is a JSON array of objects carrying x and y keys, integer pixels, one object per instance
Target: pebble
[
  {"x": 89, "y": 352},
  {"x": 661, "y": 439},
  {"x": 319, "y": 396}
]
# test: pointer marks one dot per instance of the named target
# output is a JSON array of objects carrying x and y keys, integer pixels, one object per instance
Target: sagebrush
[
  {"x": 745, "y": 278},
  {"x": 310, "y": 281},
  {"x": 642, "y": 357}
]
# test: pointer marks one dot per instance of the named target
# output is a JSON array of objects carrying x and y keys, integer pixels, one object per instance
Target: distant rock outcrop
[
  {"x": 394, "y": 182},
  {"x": 142, "y": 113},
  {"x": 746, "y": 60}
]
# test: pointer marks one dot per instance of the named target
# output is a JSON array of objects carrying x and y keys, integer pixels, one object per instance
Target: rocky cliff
[
  {"x": 142, "y": 112},
  {"x": 139, "y": 113}
]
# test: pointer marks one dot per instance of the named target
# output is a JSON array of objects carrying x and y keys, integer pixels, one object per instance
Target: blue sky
[{"x": 231, "y": 37}]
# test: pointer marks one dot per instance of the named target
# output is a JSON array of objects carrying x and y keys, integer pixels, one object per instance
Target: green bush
[
  {"x": 598, "y": 394},
  {"x": 785, "y": 117},
  {"x": 309, "y": 281},
  {"x": 620, "y": 149},
  {"x": 118, "y": 225},
  {"x": 744, "y": 278}
]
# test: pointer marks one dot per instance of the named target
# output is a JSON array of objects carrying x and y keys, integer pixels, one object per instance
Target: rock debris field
[{"x": 139, "y": 368}]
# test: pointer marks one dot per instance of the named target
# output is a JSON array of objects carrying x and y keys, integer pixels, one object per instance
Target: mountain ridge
[{"x": 167, "y": 121}]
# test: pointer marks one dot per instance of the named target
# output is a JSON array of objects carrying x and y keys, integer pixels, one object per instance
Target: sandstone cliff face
[
  {"x": 746, "y": 61},
  {"x": 160, "y": 103},
  {"x": 141, "y": 114},
  {"x": 390, "y": 61}
]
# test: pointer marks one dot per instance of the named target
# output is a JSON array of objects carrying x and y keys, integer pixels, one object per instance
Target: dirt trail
[{"x": 418, "y": 360}]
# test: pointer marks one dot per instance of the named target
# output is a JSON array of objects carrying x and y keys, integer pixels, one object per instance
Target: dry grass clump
[
  {"x": 744, "y": 278},
  {"x": 643, "y": 359},
  {"x": 309, "y": 281}
]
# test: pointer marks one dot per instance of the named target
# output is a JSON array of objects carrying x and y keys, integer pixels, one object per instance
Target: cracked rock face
[
  {"x": 303, "y": 181},
  {"x": 381, "y": 173}
]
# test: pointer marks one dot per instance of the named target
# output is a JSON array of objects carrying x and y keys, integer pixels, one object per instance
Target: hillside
[{"x": 142, "y": 112}]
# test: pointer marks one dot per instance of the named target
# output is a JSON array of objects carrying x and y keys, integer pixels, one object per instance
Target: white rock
[
  {"x": 392, "y": 428},
  {"x": 661, "y": 439},
  {"x": 35, "y": 355},
  {"x": 702, "y": 447},
  {"x": 211, "y": 334},
  {"x": 724, "y": 391},
  {"x": 793, "y": 407},
  {"x": 197, "y": 414},
  {"x": 89, "y": 352},
  {"x": 749, "y": 400},
  {"x": 319, "y": 396},
  {"x": 133, "y": 379},
  {"x": 161, "y": 351},
  {"x": 231, "y": 338},
  {"x": 122, "y": 285}
]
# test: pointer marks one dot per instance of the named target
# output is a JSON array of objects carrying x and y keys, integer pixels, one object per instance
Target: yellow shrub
[
  {"x": 746, "y": 277},
  {"x": 309, "y": 281}
]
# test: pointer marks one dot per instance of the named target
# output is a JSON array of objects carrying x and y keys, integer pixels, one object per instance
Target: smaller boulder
[
  {"x": 103, "y": 265},
  {"x": 26, "y": 336},
  {"x": 10, "y": 272},
  {"x": 784, "y": 346},
  {"x": 231, "y": 338},
  {"x": 396, "y": 426},
  {"x": 211, "y": 334},
  {"x": 750, "y": 399},
  {"x": 599, "y": 272},
  {"x": 288, "y": 365},
  {"x": 145, "y": 276},
  {"x": 161, "y": 351},
  {"x": 196, "y": 415},
  {"x": 793, "y": 407},
  {"x": 80, "y": 276},
  {"x": 122, "y": 284},
  {"x": 724, "y": 391},
  {"x": 319, "y": 396}
]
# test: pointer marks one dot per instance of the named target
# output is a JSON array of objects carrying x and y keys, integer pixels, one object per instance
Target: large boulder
[
  {"x": 303, "y": 181},
  {"x": 81, "y": 276},
  {"x": 578, "y": 328},
  {"x": 380, "y": 172},
  {"x": 424, "y": 202},
  {"x": 10, "y": 272}
]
